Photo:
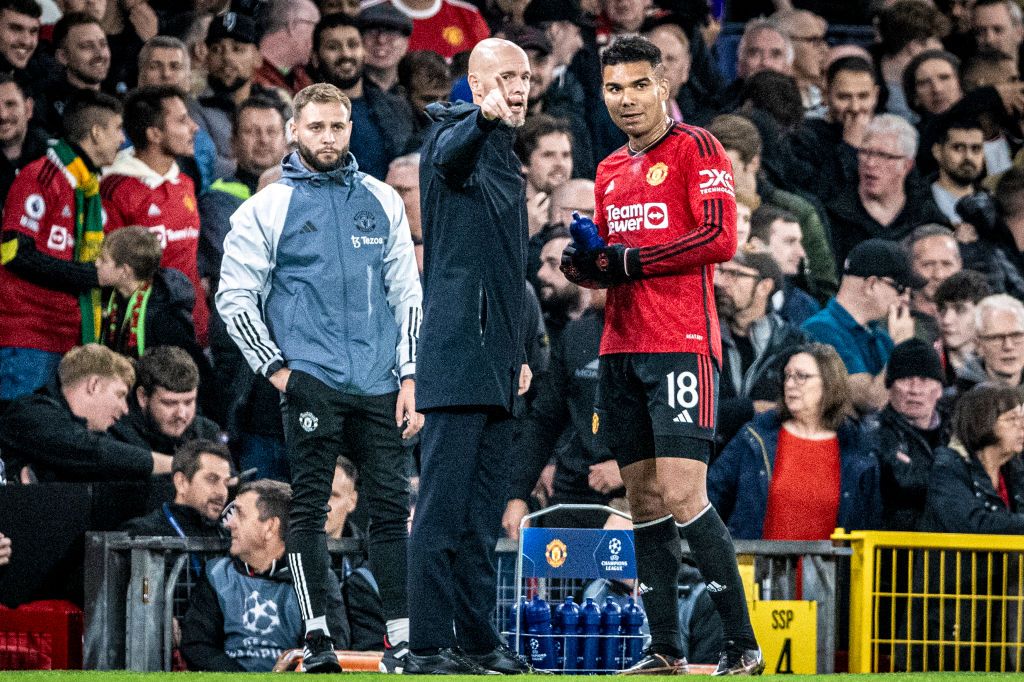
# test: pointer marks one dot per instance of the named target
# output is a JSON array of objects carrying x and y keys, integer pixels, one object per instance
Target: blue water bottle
[
  {"x": 632, "y": 621},
  {"x": 584, "y": 233},
  {"x": 611, "y": 643},
  {"x": 516, "y": 621},
  {"x": 541, "y": 639},
  {"x": 569, "y": 620},
  {"x": 590, "y": 615}
]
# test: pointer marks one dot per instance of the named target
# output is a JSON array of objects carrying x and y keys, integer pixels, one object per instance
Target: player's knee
[
  {"x": 645, "y": 503},
  {"x": 685, "y": 502}
]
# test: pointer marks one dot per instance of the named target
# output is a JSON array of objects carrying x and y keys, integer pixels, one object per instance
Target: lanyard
[{"x": 197, "y": 567}]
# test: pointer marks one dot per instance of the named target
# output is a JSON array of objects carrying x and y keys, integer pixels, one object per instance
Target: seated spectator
[
  {"x": 742, "y": 142},
  {"x": 762, "y": 47},
  {"x": 909, "y": 430},
  {"x": 382, "y": 121},
  {"x": 82, "y": 49},
  {"x": 358, "y": 586},
  {"x": 779, "y": 234},
  {"x": 165, "y": 61},
  {"x": 231, "y": 61},
  {"x": 201, "y": 472},
  {"x": 61, "y": 433},
  {"x": 675, "y": 59},
  {"x": 243, "y": 613},
  {"x": 286, "y": 45},
  {"x": 798, "y": 472},
  {"x": 998, "y": 26},
  {"x": 404, "y": 177},
  {"x": 746, "y": 204},
  {"x": 559, "y": 97},
  {"x": 163, "y": 415},
  {"x": 144, "y": 186},
  {"x": 977, "y": 483},
  {"x": 905, "y": 29},
  {"x": 149, "y": 306},
  {"x": 955, "y": 300},
  {"x": 931, "y": 82},
  {"x": 999, "y": 323},
  {"x": 386, "y": 33},
  {"x": 826, "y": 148},
  {"x": 258, "y": 143},
  {"x": 959, "y": 152},
  {"x": 48, "y": 277},
  {"x": 576, "y": 195},
  {"x": 424, "y": 78},
  {"x": 883, "y": 204},
  {"x": 561, "y": 301},
  {"x": 755, "y": 341},
  {"x": 21, "y": 141},
  {"x": 544, "y": 145},
  {"x": 934, "y": 257},
  {"x": 874, "y": 288},
  {"x": 807, "y": 32}
]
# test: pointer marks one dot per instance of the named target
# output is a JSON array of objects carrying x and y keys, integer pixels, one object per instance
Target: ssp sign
[{"x": 788, "y": 634}]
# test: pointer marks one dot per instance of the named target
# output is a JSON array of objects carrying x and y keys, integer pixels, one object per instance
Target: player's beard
[{"x": 310, "y": 157}]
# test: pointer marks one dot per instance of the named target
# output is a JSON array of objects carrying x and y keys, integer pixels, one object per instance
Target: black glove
[{"x": 600, "y": 268}]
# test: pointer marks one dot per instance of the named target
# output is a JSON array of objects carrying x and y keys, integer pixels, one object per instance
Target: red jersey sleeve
[
  {"x": 708, "y": 185},
  {"x": 28, "y": 203},
  {"x": 112, "y": 208}
]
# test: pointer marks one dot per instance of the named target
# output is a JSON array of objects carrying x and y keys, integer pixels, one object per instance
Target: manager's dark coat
[{"x": 474, "y": 262}]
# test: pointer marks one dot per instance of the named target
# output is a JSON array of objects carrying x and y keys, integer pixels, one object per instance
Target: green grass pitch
[{"x": 120, "y": 676}]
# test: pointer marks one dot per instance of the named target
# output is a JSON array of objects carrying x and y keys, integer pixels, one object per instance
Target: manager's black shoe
[
  {"x": 503, "y": 660},
  {"x": 738, "y": 661},
  {"x": 318, "y": 654},
  {"x": 444, "y": 662},
  {"x": 652, "y": 663}
]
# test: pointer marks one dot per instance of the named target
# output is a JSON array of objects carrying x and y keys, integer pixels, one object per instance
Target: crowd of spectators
[{"x": 871, "y": 318}]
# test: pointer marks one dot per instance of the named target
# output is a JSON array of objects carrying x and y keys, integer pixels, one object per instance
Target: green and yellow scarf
[{"x": 88, "y": 229}]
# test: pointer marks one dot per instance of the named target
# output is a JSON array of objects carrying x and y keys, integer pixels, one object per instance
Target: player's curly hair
[{"x": 631, "y": 49}]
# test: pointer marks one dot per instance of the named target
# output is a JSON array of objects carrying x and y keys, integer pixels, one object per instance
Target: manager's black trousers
[
  {"x": 320, "y": 424},
  {"x": 466, "y": 457}
]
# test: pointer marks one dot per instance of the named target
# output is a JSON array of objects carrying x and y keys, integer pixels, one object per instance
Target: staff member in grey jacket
[{"x": 319, "y": 289}]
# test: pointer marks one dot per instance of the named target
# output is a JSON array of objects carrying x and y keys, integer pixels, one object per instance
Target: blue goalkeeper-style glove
[
  {"x": 584, "y": 233},
  {"x": 600, "y": 268}
]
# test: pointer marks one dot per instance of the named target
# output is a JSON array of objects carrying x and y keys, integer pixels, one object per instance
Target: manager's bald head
[{"x": 496, "y": 64}]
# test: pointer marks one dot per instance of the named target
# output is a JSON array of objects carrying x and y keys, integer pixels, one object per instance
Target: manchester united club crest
[
  {"x": 657, "y": 174},
  {"x": 365, "y": 222},
  {"x": 190, "y": 203},
  {"x": 308, "y": 422},
  {"x": 453, "y": 35},
  {"x": 556, "y": 553}
]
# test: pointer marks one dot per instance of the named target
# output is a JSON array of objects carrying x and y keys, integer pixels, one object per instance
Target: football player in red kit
[{"x": 665, "y": 213}]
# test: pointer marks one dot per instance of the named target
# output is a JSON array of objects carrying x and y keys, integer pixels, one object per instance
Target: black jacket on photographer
[
  {"x": 560, "y": 420},
  {"x": 745, "y": 377},
  {"x": 161, "y": 523},
  {"x": 905, "y": 457},
  {"x": 995, "y": 254}
]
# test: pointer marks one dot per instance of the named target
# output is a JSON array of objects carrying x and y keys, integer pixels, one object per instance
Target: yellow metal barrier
[{"x": 935, "y": 602}]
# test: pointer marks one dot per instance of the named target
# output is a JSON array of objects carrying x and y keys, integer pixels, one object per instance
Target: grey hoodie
[{"x": 319, "y": 273}]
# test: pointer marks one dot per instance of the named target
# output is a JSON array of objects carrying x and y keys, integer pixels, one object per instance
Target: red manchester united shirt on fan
[
  {"x": 447, "y": 27},
  {"x": 135, "y": 194},
  {"x": 674, "y": 201}
]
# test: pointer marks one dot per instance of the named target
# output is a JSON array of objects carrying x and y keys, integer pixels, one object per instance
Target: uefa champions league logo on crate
[{"x": 614, "y": 547}]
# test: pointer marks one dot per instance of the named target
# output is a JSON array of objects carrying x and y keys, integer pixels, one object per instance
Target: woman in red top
[{"x": 799, "y": 472}]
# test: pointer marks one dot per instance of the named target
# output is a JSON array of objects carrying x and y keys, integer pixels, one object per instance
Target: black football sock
[
  {"x": 712, "y": 550},
  {"x": 658, "y": 557}
]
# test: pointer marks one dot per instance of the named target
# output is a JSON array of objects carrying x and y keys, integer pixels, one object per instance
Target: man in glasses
[
  {"x": 883, "y": 204},
  {"x": 755, "y": 340},
  {"x": 999, "y": 358},
  {"x": 874, "y": 294}
]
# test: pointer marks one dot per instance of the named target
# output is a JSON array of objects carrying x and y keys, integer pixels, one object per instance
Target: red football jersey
[
  {"x": 169, "y": 211},
  {"x": 447, "y": 28},
  {"x": 676, "y": 203},
  {"x": 41, "y": 204}
]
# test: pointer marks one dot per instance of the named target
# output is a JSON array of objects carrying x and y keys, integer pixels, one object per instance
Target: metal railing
[{"x": 935, "y": 602}]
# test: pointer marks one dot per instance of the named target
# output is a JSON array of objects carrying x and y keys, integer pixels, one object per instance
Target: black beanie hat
[{"x": 913, "y": 358}]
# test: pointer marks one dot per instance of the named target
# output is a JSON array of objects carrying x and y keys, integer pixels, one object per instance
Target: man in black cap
[
  {"x": 555, "y": 92},
  {"x": 383, "y": 122},
  {"x": 232, "y": 58},
  {"x": 909, "y": 429},
  {"x": 875, "y": 287},
  {"x": 386, "y": 33}
]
